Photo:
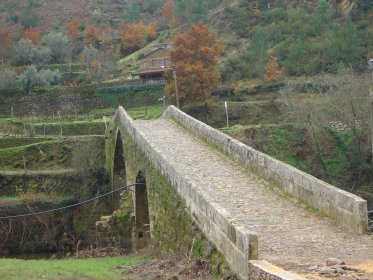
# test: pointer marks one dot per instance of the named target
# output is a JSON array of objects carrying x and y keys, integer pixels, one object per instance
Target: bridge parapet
[
  {"x": 344, "y": 207},
  {"x": 233, "y": 240}
]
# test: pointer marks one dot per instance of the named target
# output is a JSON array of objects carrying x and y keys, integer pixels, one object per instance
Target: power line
[{"x": 68, "y": 206}]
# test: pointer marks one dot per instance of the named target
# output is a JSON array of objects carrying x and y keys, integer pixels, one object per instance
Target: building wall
[{"x": 156, "y": 59}]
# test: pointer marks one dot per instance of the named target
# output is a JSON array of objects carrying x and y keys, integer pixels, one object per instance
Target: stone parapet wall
[
  {"x": 346, "y": 208},
  {"x": 235, "y": 243},
  {"x": 262, "y": 270}
]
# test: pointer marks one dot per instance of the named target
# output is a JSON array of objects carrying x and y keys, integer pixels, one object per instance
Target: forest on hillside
[{"x": 305, "y": 38}]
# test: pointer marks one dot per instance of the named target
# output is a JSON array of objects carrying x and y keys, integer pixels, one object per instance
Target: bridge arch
[
  {"x": 119, "y": 169},
  {"x": 142, "y": 219},
  {"x": 127, "y": 172}
]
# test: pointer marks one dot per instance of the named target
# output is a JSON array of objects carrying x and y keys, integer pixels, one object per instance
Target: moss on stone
[{"x": 173, "y": 227}]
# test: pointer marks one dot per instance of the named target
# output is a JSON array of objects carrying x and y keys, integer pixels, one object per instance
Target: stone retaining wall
[
  {"x": 236, "y": 244},
  {"x": 341, "y": 126},
  {"x": 346, "y": 208}
]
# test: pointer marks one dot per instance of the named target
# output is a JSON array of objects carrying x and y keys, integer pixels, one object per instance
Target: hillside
[
  {"x": 307, "y": 37},
  {"x": 56, "y": 14}
]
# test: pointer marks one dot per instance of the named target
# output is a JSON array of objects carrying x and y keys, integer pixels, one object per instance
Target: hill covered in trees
[
  {"x": 303, "y": 37},
  {"x": 307, "y": 37}
]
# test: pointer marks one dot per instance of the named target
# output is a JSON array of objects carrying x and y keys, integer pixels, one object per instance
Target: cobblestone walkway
[{"x": 288, "y": 234}]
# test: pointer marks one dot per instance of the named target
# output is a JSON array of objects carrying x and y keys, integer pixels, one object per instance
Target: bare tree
[{"x": 342, "y": 99}]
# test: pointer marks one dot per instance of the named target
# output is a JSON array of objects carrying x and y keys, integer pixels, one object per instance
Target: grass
[
  {"x": 108, "y": 112},
  {"x": 66, "y": 269},
  {"x": 153, "y": 112},
  {"x": 9, "y": 198},
  {"x": 16, "y": 150},
  {"x": 16, "y": 142}
]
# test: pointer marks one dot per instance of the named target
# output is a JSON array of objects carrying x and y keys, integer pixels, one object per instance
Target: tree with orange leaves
[
  {"x": 33, "y": 34},
  {"x": 168, "y": 12},
  {"x": 93, "y": 35},
  {"x": 5, "y": 42},
  {"x": 134, "y": 35},
  {"x": 194, "y": 57},
  {"x": 72, "y": 29},
  {"x": 151, "y": 30},
  {"x": 255, "y": 10},
  {"x": 273, "y": 71}
]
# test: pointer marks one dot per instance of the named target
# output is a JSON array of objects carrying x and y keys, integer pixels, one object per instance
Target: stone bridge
[{"x": 249, "y": 205}]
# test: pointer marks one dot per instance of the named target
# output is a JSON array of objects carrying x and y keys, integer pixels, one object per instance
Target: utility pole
[
  {"x": 371, "y": 100},
  {"x": 176, "y": 89},
  {"x": 175, "y": 79}
]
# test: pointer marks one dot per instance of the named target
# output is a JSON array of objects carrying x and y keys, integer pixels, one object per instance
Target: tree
[
  {"x": 322, "y": 17},
  {"x": 5, "y": 42},
  {"x": 23, "y": 52},
  {"x": 134, "y": 35},
  {"x": 132, "y": 14},
  {"x": 11, "y": 9},
  {"x": 58, "y": 44},
  {"x": 31, "y": 78},
  {"x": 29, "y": 18},
  {"x": 257, "y": 53},
  {"x": 41, "y": 55},
  {"x": 151, "y": 6},
  {"x": 30, "y": 4},
  {"x": 194, "y": 56},
  {"x": 273, "y": 71},
  {"x": 296, "y": 59},
  {"x": 168, "y": 12},
  {"x": 93, "y": 35},
  {"x": 98, "y": 63},
  {"x": 8, "y": 77},
  {"x": 255, "y": 10},
  {"x": 259, "y": 42},
  {"x": 196, "y": 10},
  {"x": 73, "y": 29},
  {"x": 89, "y": 54},
  {"x": 107, "y": 37},
  {"x": 342, "y": 98},
  {"x": 33, "y": 34}
]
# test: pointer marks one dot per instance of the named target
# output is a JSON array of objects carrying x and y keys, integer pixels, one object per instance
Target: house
[{"x": 153, "y": 64}]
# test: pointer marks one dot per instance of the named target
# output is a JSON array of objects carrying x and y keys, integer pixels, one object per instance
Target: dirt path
[{"x": 289, "y": 235}]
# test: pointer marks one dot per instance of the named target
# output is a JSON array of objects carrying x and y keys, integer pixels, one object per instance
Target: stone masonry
[{"x": 238, "y": 210}]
